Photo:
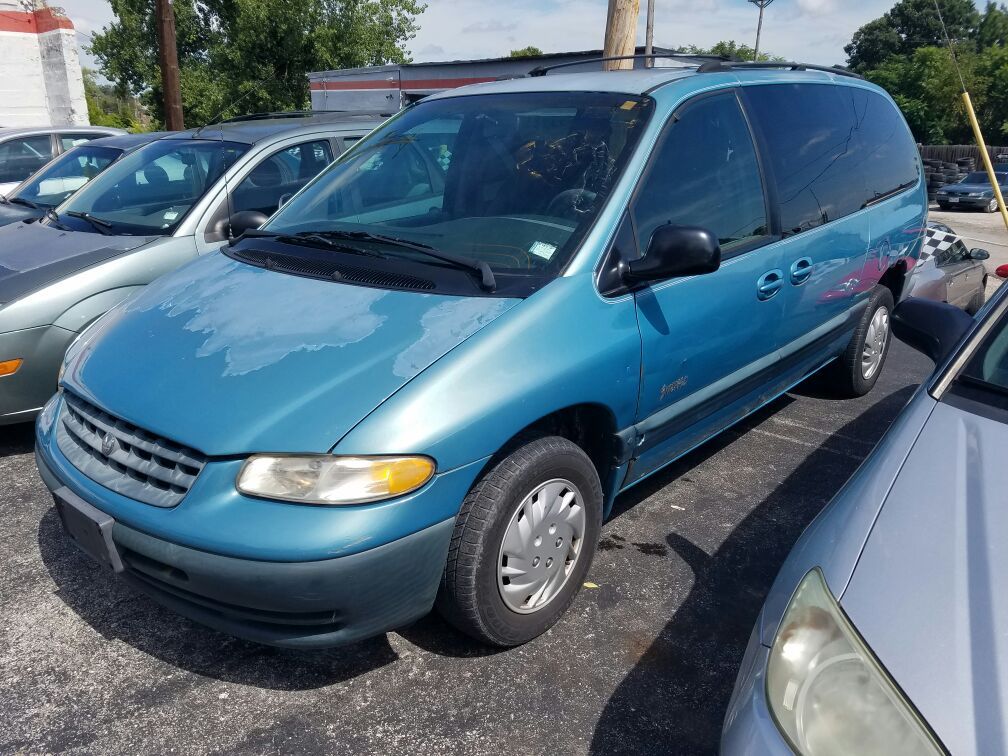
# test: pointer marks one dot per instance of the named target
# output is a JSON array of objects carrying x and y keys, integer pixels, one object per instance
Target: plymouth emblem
[{"x": 108, "y": 444}]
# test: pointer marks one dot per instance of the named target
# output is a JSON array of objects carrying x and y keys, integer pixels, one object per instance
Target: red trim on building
[
  {"x": 406, "y": 84},
  {"x": 36, "y": 22}
]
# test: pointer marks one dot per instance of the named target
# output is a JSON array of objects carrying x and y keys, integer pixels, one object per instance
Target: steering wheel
[{"x": 568, "y": 203}]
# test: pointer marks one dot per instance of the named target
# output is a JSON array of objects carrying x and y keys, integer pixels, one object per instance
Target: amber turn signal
[{"x": 9, "y": 367}]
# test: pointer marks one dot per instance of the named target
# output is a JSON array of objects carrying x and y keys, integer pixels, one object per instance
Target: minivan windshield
[
  {"x": 981, "y": 177},
  {"x": 65, "y": 175},
  {"x": 150, "y": 191},
  {"x": 514, "y": 180}
]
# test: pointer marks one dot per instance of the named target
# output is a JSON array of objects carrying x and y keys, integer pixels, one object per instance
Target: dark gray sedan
[
  {"x": 974, "y": 192},
  {"x": 949, "y": 271},
  {"x": 885, "y": 631}
]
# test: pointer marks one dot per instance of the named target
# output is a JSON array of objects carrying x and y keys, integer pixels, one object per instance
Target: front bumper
[
  {"x": 23, "y": 394},
  {"x": 971, "y": 203},
  {"x": 749, "y": 727},
  {"x": 302, "y": 597}
]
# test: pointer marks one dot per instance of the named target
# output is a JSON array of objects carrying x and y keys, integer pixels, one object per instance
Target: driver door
[{"x": 709, "y": 341}]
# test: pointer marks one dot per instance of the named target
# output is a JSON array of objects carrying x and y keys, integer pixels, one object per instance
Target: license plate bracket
[
  {"x": 89, "y": 528},
  {"x": 953, "y": 200}
]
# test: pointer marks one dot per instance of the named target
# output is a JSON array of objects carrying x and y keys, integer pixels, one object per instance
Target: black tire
[
  {"x": 469, "y": 597},
  {"x": 845, "y": 375}
]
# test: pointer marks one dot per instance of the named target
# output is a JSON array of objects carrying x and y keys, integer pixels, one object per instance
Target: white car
[{"x": 24, "y": 150}]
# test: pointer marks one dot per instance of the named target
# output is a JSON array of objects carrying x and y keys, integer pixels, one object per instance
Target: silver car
[
  {"x": 949, "y": 271},
  {"x": 24, "y": 150},
  {"x": 154, "y": 209},
  {"x": 885, "y": 631}
]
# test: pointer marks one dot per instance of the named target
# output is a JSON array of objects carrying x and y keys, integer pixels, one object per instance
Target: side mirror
[
  {"x": 979, "y": 254},
  {"x": 933, "y": 328},
  {"x": 246, "y": 220},
  {"x": 284, "y": 199},
  {"x": 675, "y": 251}
]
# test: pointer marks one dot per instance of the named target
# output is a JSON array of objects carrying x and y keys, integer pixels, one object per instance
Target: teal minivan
[{"x": 426, "y": 378}]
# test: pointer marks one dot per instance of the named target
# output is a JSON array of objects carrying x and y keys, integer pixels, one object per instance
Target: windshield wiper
[
  {"x": 102, "y": 225},
  {"x": 314, "y": 239},
  {"x": 486, "y": 277},
  {"x": 21, "y": 201}
]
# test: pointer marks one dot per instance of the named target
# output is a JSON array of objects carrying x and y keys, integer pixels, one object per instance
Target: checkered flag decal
[{"x": 936, "y": 241}]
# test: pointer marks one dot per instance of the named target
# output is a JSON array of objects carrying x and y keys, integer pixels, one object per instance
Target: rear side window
[
  {"x": 833, "y": 149},
  {"x": 705, "y": 174},
  {"x": 22, "y": 156}
]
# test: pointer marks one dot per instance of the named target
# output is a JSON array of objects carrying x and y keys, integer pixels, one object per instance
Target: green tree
[
  {"x": 239, "y": 56},
  {"x": 993, "y": 28},
  {"x": 729, "y": 49},
  {"x": 109, "y": 105},
  {"x": 526, "y": 52},
  {"x": 908, "y": 26}
]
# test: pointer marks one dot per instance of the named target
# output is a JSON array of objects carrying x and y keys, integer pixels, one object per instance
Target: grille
[
  {"x": 311, "y": 267},
  {"x": 123, "y": 457}
]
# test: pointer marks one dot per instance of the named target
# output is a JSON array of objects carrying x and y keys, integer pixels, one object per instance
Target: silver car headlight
[
  {"x": 329, "y": 479},
  {"x": 827, "y": 692},
  {"x": 976, "y": 194}
]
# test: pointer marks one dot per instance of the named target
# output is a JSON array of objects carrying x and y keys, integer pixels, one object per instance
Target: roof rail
[
  {"x": 716, "y": 66},
  {"x": 304, "y": 114},
  {"x": 543, "y": 70}
]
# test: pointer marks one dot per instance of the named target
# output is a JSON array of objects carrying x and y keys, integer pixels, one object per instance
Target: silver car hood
[
  {"x": 34, "y": 254},
  {"x": 930, "y": 592}
]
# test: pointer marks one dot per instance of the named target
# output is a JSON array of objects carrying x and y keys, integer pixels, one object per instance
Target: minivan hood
[
  {"x": 930, "y": 592},
  {"x": 34, "y": 254},
  {"x": 230, "y": 359}
]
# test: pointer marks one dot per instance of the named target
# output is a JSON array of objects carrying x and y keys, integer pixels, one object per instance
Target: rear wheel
[
  {"x": 523, "y": 542},
  {"x": 858, "y": 368}
]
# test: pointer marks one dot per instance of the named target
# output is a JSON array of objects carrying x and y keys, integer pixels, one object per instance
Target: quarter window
[{"x": 705, "y": 174}]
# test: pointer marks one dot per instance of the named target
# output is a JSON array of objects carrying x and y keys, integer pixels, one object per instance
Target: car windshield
[
  {"x": 981, "y": 177},
  {"x": 988, "y": 367},
  {"x": 512, "y": 180},
  {"x": 150, "y": 191},
  {"x": 66, "y": 174}
]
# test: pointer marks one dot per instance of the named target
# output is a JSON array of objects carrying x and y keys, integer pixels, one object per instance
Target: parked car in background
[
  {"x": 428, "y": 376},
  {"x": 882, "y": 631},
  {"x": 948, "y": 271},
  {"x": 974, "y": 192},
  {"x": 64, "y": 175},
  {"x": 24, "y": 150},
  {"x": 146, "y": 214}
]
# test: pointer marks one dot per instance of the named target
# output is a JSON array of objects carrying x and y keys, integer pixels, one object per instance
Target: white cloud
[{"x": 816, "y": 7}]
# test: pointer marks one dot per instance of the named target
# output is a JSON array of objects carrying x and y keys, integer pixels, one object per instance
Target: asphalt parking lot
[{"x": 644, "y": 663}]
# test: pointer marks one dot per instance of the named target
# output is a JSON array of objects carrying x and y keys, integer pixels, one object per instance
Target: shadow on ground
[
  {"x": 674, "y": 698},
  {"x": 16, "y": 439}
]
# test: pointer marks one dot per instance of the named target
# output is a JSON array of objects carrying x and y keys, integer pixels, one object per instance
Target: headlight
[
  {"x": 827, "y": 692},
  {"x": 328, "y": 479},
  {"x": 976, "y": 194}
]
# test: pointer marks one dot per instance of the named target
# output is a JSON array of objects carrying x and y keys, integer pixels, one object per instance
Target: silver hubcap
[
  {"x": 541, "y": 546},
  {"x": 875, "y": 343},
  {"x": 993, "y": 205}
]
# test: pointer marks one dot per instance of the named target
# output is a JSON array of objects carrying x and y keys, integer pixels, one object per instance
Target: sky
[{"x": 811, "y": 31}]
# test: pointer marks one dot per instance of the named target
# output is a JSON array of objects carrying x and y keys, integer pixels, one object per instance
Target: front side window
[
  {"x": 150, "y": 191},
  {"x": 705, "y": 174},
  {"x": 513, "y": 180},
  {"x": 20, "y": 157},
  {"x": 280, "y": 175},
  {"x": 66, "y": 174}
]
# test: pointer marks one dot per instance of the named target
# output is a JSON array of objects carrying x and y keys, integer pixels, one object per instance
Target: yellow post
[{"x": 986, "y": 157}]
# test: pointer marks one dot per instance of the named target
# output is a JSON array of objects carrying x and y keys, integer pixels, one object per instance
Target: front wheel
[
  {"x": 992, "y": 206},
  {"x": 523, "y": 542},
  {"x": 856, "y": 371}
]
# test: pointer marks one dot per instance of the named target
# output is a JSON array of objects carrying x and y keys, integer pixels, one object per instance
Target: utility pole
[
  {"x": 759, "y": 29},
  {"x": 649, "y": 35},
  {"x": 168, "y": 58},
  {"x": 620, "y": 33}
]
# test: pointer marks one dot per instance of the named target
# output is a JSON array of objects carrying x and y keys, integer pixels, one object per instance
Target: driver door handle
[{"x": 769, "y": 284}]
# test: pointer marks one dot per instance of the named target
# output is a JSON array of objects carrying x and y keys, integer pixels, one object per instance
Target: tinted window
[
  {"x": 22, "y": 156},
  {"x": 282, "y": 173},
  {"x": 66, "y": 174},
  {"x": 889, "y": 155},
  {"x": 705, "y": 174},
  {"x": 811, "y": 130}
]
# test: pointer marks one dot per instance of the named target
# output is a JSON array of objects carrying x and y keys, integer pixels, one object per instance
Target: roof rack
[
  {"x": 543, "y": 70},
  {"x": 728, "y": 65},
  {"x": 304, "y": 114}
]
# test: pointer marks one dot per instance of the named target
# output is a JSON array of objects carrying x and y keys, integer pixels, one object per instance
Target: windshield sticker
[
  {"x": 542, "y": 249},
  {"x": 170, "y": 215}
]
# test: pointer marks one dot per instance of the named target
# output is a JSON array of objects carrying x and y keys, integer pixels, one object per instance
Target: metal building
[{"x": 389, "y": 88}]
